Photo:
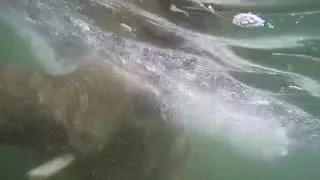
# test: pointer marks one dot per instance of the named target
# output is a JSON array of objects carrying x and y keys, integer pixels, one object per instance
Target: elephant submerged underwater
[{"x": 93, "y": 118}]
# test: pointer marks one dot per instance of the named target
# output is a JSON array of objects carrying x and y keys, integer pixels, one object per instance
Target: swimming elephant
[{"x": 115, "y": 130}]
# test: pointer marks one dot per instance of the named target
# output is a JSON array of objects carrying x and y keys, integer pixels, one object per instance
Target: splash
[{"x": 251, "y": 128}]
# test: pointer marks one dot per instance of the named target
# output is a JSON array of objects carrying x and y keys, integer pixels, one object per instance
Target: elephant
[{"x": 110, "y": 127}]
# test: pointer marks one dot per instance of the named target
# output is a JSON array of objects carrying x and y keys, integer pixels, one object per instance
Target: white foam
[{"x": 248, "y": 20}]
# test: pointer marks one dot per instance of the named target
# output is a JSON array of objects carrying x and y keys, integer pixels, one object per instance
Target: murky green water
[{"x": 283, "y": 61}]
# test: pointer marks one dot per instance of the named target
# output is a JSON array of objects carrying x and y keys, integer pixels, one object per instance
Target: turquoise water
[
  {"x": 273, "y": 64},
  {"x": 15, "y": 48}
]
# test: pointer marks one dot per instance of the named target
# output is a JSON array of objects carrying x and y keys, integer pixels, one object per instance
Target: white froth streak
[
  {"x": 289, "y": 41},
  {"x": 267, "y": 42}
]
